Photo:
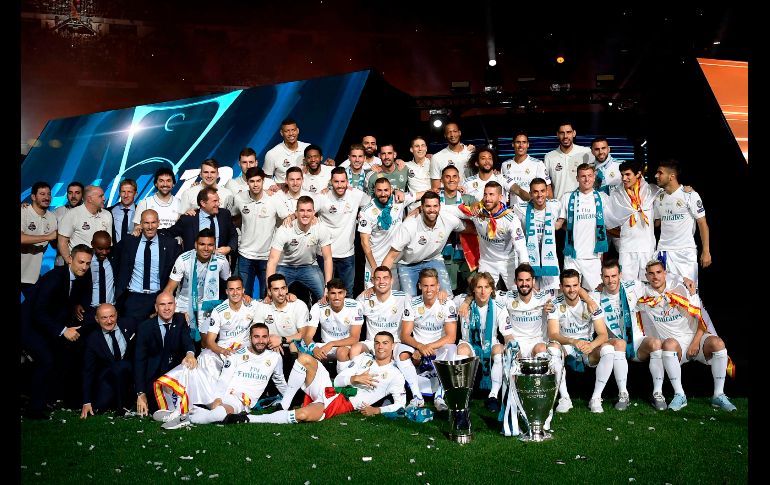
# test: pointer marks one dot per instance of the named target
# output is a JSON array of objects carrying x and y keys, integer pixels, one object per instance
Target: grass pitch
[{"x": 695, "y": 445}]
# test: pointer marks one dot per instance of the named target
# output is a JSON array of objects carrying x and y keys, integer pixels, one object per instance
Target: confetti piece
[
  {"x": 24, "y": 467},
  {"x": 609, "y": 429},
  {"x": 79, "y": 443},
  {"x": 266, "y": 456},
  {"x": 276, "y": 434},
  {"x": 37, "y": 474},
  {"x": 248, "y": 459},
  {"x": 63, "y": 420},
  {"x": 314, "y": 436},
  {"x": 91, "y": 447},
  {"x": 701, "y": 422},
  {"x": 632, "y": 479},
  {"x": 712, "y": 418},
  {"x": 349, "y": 478},
  {"x": 411, "y": 460},
  {"x": 141, "y": 430},
  {"x": 199, "y": 473},
  {"x": 44, "y": 463},
  {"x": 118, "y": 470},
  {"x": 216, "y": 475},
  {"x": 617, "y": 438},
  {"x": 358, "y": 439},
  {"x": 630, "y": 422},
  {"x": 307, "y": 482},
  {"x": 366, "y": 458},
  {"x": 560, "y": 462},
  {"x": 186, "y": 457},
  {"x": 432, "y": 438},
  {"x": 631, "y": 460},
  {"x": 581, "y": 457},
  {"x": 428, "y": 446},
  {"x": 186, "y": 478},
  {"x": 419, "y": 474},
  {"x": 685, "y": 419},
  {"x": 415, "y": 434},
  {"x": 650, "y": 428},
  {"x": 314, "y": 466}
]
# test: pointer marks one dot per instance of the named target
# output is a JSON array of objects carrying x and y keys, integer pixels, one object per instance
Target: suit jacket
[
  {"x": 187, "y": 227},
  {"x": 50, "y": 306},
  {"x": 152, "y": 358},
  {"x": 98, "y": 355},
  {"x": 125, "y": 256},
  {"x": 88, "y": 278},
  {"x": 115, "y": 229}
]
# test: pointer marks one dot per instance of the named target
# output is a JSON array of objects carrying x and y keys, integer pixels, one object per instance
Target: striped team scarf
[
  {"x": 680, "y": 301},
  {"x": 542, "y": 257},
  {"x": 361, "y": 183},
  {"x": 482, "y": 346},
  {"x": 636, "y": 203},
  {"x": 483, "y": 213},
  {"x": 626, "y": 332},
  {"x": 601, "y": 245}
]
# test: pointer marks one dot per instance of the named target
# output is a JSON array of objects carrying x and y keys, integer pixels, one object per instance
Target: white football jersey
[
  {"x": 678, "y": 213},
  {"x": 575, "y": 321},
  {"x": 245, "y": 375},
  {"x": 527, "y": 320},
  {"x": 429, "y": 321},
  {"x": 336, "y": 325},
  {"x": 232, "y": 325},
  {"x": 384, "y": 316}
]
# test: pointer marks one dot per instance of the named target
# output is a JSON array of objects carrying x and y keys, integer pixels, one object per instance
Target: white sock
[
  {"x": 341, "y": 364},
  {"x": 603, "y": 370},
  {"x": 296, "y": 379},
  {"x": 496, "y": 374},
  {"x": 558, "y": 366},
  {"x": 205, "y": 416},
  {"x": 656, "y": 370},
  {"x": 278, "y": 417},
  {"x": 439, "y": 394},
  {"x": 719, "y": 370},
  {"x": 673, "y": 370},
  {"x": 620, "y": 369},
  {"x": 410, "y": 375}
]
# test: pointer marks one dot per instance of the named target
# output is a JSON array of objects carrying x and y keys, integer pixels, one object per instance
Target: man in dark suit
[
  {"x": 101, "y": 281},
  {"x": 208, "y": 216},
  {"x": 108, "y": 379},
  {"x": 49, "y": 330},
  {"x": 145, "y": 262},
  {"x": 123, "y": 211},
  {"x": 162, "y": 343}
]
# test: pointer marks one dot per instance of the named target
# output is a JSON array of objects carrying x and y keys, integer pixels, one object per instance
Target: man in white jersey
[
  {"x": 540, "y": 221},
  {"x": 419, "y": 243},
  {"x": 209, "y": 174},
  {"x": 485, "y": 317},
  {"x": 38, "y": 228},
  {"x": 259, "y": 215},
  {"x": 502, "y": 246},
  {"x": 631, "y": 205},
  {"x": 287, "y": 320},
  {"x": 482, "y": 165},
  {"x": 608, "y": 176},
  {"x": 583, "y": 211},
  {"x": 561, "y": 164},
  {"x": 340, "y": 320},
  {"x": 243, "y": 380},
  {"x": 618, "y": 302},
  {"x": 428, "y": 331},
  {"x": 74, "y": 196},
  {"x": 338, "y": 211},
  {"x": 246, "y": 159},
  {"x": 455, "y": 153},
  {"x": 419, "y": 170},
  {"x": 378, "y": 222},
  {"x": 294, "y": 248},
  {"x": 575, "y": 319},
  {"x": 675, "y": 318},
  {"x": 199, "y": 271},
  {"x": 371, "y": 377},
  {"x": 522, "y": 169},
  {"x": 679, "y": 212},
  {"x": 315, "y": 174},
  {"x": 383, "y": 308},
  {"x": 288, "y": 198},
  {"x": 79, "y": 224},
  {"x": 166, "y": 205},
  {"x": 286, "y": 154},
  {"x": 227, "y": 333}
]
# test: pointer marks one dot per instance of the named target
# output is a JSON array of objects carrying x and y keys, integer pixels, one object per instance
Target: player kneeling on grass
[
  {"x": 242, "y": 382},
  {"x": 364, "y": 382}
]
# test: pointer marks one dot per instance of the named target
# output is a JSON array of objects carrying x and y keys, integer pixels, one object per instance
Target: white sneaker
[
  {"x": 178, "y": 422},
  {"x": 440, "y": 404},
  {"x": 595, "y": 405},
  {"x": 417, "y": 402},
  {"x": 565, "y": 404},
  {"x": 165, "y": 415}
]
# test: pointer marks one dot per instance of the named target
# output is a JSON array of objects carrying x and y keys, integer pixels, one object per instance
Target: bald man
[{"x": 108, "y": 380}]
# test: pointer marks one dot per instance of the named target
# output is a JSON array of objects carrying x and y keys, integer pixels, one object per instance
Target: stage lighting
[
  {"x": 492, "y": 63},
  {"x": 560, "y": 59},
  {"x": 438, "y": 118}
]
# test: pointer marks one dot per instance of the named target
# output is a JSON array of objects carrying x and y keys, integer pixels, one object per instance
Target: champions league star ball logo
[
  {"x": 362, "y": 223},
  {"x": 411, "y": 173}
]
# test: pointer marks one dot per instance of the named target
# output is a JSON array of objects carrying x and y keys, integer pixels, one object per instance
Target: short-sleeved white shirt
[
  {"x": 429, "y": 321},
  {"x": 584, "y": 223},
  {"x": 289, "y": 203},
  {"x": 249, "y": 373},
  {"x": 339, "y": 215},
  {"x": 33, "y": 224},
  {"x": 316, "y": 183},
  {"x": 282, "y": 321},
  {"x": 522, "y": 174},
  {"x": 336, "y": 325},
  {"x": 474, "y": 186},
  {"x": 236, "y": 185},
  {"x": 419, "y": 176},
  {"x": 189, "y": 198},
  {"x": 575, "y": 321},
  {"x": 418, "y": 242},
  {"x": 384, "y": 316},
  {"x": 80, "y": 225},
  {"x": 562, "y": 168},
  {"x": 168, "y": 212},
  {"x": 526, "y": 320},
  {"x": 678, "y": 213},
  {"x": 669, "y": 321},
  {"x": 509, "y": 240},
  {"x": 298, "y": 247},
  {"x": 232, "y": 325},
  {"x": 447, "y": 157},
  {"x": 279, "y": 159},
  {"x": 380, "y": 239},
  {"x": 258, "y": 224},
  {"x": 181, "y": 272}
]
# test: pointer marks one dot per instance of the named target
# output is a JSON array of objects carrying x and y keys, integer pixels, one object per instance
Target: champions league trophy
[
  {"x": 536, "y": 386},
  {"x": 457, "y": 378}
]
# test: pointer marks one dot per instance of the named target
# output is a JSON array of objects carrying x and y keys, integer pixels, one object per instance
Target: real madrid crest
[
  {"x": 421, "y": 310},
  {"x": 328, "y": 312},
  {"x": 267, "y": 363},
  {"x": 371, "y": 302},
  {"x": 394, "y": 310},
  {"x": 563, "y": 307},
  {"x": 514, "y": 304},
  {"x": 227, "y": 315}
]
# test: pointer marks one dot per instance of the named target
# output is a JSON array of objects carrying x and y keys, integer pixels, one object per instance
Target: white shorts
[
  {"x": 235, "y": 403},
  {"x": 527, "y": 345},
  {"x": 317, "y": 389},
  {"x": 682, "y": 262},
  {"x": 445, "y": 352},
  {"x": 590, "y": 271},
  {"x": 368, "y": 274},
  {"x": 632, "y": 265},
  {"x": 684, "y": 343},
  {"x": 547, "y": 283}
]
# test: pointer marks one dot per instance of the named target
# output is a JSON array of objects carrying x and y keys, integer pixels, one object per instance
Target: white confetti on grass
[
  {"x": 609, "y": 429},
  {"x": 343, "y": 424},
  {"x": 199, "y": 474},
  {"x": 186, "y": 457},
  {"x": 248, "y": 459},
  {"x": 140, "y": 431},
  {"x": 314, "y": 466},
  {"x": 411, "y": 460},
  {"x": 366, "y": 458},
  {"x": 268, "y": 456},
  {"x": 617, "y": 438},
  {"x": 118, "y": 470},
  {"x": 216, "y": 475},
  {"x": 90, "y": 448},
  {"x": 560, "y": 462},
  {"x": 650, "y": 428},
  {"x": 79, "y": 443},
  {"x": 314, "y": 436},
  {"x": 44, "y": 463}
]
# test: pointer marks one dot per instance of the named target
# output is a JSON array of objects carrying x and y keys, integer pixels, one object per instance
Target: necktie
[
  {"x": 124, "y": 225},
  {"x": 102, "y": 283},
  {"x": 166, "y": 326},
  {"x": 115, "y": 345},
  {"x": 212, "y": 225},
  {"x": 147, "y": 266}
]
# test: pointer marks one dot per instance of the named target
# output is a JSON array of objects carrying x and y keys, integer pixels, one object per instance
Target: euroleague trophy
[{"x": 457, "y": 378}]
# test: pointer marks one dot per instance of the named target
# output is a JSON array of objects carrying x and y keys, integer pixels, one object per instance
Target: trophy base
[
  {"x": 461, "y": 438},
  {"x": 536, "y": 437}
]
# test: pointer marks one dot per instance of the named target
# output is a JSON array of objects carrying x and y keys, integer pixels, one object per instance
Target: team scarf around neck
[
  {"x": 542, "y": 257},
  {"x": 636, "y": 203},
  {"x": 483, "y": 213},
  {"x": 360, "y": 185},
  {"x": 482, "y": 346},
  {"x": 458, "y": 198},
  {"x": 210, "y": 297},
  {"x": 627, "y": 332},
  {"x": 601, "y": 231},
  {"x": 600, "y": 177},
  {"x": 384, "y": 218}
]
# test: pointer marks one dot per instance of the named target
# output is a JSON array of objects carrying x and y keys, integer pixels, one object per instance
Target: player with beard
[
  {"x": 315, "y": 175},
  {"x": 166, "y": 205}
]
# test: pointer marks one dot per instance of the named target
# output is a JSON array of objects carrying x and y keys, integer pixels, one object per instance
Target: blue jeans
[
  {"x": 344, "y": 269},
  {"x": 253, "y": 273},
  {"x": 408, "y": 275},
  {"x": 309, "y": 275}
]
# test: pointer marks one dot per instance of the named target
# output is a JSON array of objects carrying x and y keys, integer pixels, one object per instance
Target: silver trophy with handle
[{"x": 536, "y": 386}]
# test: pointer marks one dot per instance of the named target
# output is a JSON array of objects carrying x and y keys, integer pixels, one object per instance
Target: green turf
[{"x": 697, "y": 444}]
